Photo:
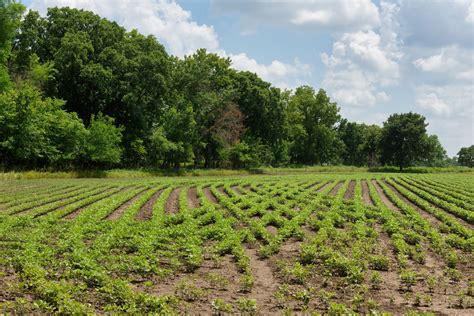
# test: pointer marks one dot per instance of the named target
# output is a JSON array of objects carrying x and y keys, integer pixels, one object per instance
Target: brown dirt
[
  {"x": 265, "y": 283},
  {"x": 248, "y": 187},
  {"x": 433, "y": 220},
  {"x": 172, "y": 205},
  {"x": 349, "y": 194},
  {"x": 321, "y": 189},
  {"x": 210, "y": 196},
  {"x": 118, "y": 212},
  {"x": 54, "y": 201},
  {"x": 72, "y": 202},
  {"x": 383, "y": 197},
  {"x": 336, "y": 188},
  {"x": 193, "y": 201},
  {"x": 309, "y": 186},
  {"x": 388, "y": 294},
  {"x": 366, "y": 194},
  {"x": 237, "y": 189},
  {"x": 272, "y": 230},
  {"x": 76, "y": 213},
  {"x": 453, "y": 216},
  {"x": 229, "y": 290},
  {"x": 221, "y": 190},
  {"x": 146, "y": 211}
]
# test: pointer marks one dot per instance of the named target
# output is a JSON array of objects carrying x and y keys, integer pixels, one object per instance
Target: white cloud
[
  {"x": 470, "y": 13},
  {"x": 174, "y": 26},
  {"x": 454, "y": 99},
  {"x": 339, "y": 15},
  {"x": 363, "y": 62},
  {"x": 450, "y": 64},
  {"x": 431, "y": 102},
  {"x": 168, "y": 21},
  {"x": 281, "y": 74}
]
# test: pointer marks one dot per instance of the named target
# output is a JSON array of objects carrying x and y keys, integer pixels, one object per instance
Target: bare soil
[
  {"x": 118, "y": 212},
  {"x": 236, "y": 189},
  {"x": 366, "y": 194},
  {"x": 146, "y": 211},
  {"x": 321, "y": 189},
  {"x": 193, "y": 201},
  {"x": 265, "y": 283},
  {"x": 222, "y": 191},
  {"x": 383, "y": 197},
  {"x": 433, "y": 220},
  {"x": 210, "y": 196},
  {"x": 336, "y": 189},
  {"x": 76, "y": 213},
  {"x": 349, "y": 195},
  {"x": 172, "y": 205}
]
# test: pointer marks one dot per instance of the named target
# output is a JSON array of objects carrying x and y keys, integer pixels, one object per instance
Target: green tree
[
  {"x": 205, "y": 81},
  {"x": 313, "y": 119},
  {"x": 265, "y": 118},
  {"x": 404, "y": 141},
  {"x": 353, "y": 137},
  {"x": 99, "y": 67},
  {"x": 36, "y": 131},
  {"x": 434, "y": 153},
  {"x": 371, "y": 145},
  {"x": 466, "y": 156},
  {"x": 10, "y": 15},
  {"x": 103, "y": 141}
]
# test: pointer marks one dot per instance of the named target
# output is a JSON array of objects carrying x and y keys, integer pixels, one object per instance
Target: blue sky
[{"x": 374, "y": 58}]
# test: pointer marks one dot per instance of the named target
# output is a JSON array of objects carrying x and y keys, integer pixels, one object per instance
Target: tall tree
[
  {"x": 10, "y": 15},
  {"x": 205, "y": 80},
  {"x": 404, "y": 140},
  {"x": 264, "y": 113},
  {"x": 99, "y": 67},
  {"x": 313, "y": 118},
  {"x": 466, "y": 156},
  {"x": 371, "y": 145}
]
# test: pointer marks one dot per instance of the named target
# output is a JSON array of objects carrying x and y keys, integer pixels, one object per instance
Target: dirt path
[
  {"x": 118, "y": 212},
  {"x": 309, "y": 186},
  {"x": 172, "y": 205},
  {"x": 321, "y": 189},
  {"x": 76, "y": 212},
  {"x": 146, "y": 211},
  {"x": 453, "y": 216},
  {"x": 61, "y": 207},
  {"x": 383, "y": 197},
  {"x": 210, "y": 196},
  {"x": 365, "y": 193},
  {"x": 265, "y": 283},
  {"x": 349, "y": 194},
  {"x": 388, "y": 293},
  {"x": 65, "y": 199},
  {"x": 430, "y": 218},
  {"x": 193, "y": 201},
  {"x": 236, "y": 189},
  {"x": 222, "y": 190},
  {"x": 336, "y": 189}
]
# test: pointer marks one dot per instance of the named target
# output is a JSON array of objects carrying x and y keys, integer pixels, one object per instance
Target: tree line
[{"x": 79, "y": 91}]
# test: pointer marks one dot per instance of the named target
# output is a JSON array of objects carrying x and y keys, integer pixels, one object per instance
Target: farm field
[{"x": 310, "y": 243}]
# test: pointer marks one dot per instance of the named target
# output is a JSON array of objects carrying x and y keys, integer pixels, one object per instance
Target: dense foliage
[
  {"x": 81, "y": 91},
  {"x": 466, "y": 156}
]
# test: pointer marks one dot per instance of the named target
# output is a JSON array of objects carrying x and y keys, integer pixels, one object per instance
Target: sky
[{"x": 374, "y": 58}]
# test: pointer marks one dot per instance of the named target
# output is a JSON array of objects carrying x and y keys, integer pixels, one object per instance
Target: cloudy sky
[{"x": 373, "y": 57}]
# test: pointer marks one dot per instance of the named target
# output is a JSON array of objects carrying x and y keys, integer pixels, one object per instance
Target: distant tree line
[{"x": 79, "y": 91}]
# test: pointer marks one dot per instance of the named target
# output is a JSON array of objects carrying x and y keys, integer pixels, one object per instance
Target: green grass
[{"x": 146, "y": 173}]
